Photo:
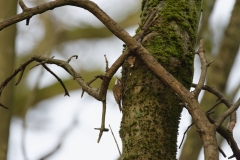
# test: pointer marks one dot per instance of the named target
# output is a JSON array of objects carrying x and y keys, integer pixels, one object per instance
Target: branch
[
  {"x": 102, "y": 129},
  {"x": 107, "y": 68},
  {"x": 20, "y": 69},
  {"x": 64, "y": 64},
  {"x": 134, "y": 46},
  {"x": 132, "y": 43},
  {"x": 223, "y": 99},
  {"x": 228, "y": 136},
  {"x": 227, "y": 113},
  {"x": 3, "y": 106},
  {"x": 91, "y": 81},
  {"x": 86, "y": 4},
  {"x": 76, "y": 56},
  {"x": 59, "y": 80},
  {"x": 184, "y": 134},
  {"x": 205, "y": 65}
]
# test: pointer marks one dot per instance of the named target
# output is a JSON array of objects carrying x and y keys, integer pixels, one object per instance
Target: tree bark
[
  {"x": 151, "y": 111},
  {"x": 7, "y": 56}
]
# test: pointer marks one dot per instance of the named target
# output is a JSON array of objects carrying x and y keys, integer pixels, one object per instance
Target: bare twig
[
  {"x": 222, "y": 99},
  {"x": 59, "y": 80},
  {"x": 214, "y": 106},
  {"x": 61, "y": 63},
  {"x": 227, "y": 113},
  {"x": 65, "y": 65},
  {"x": 20, "y": 76},
  {"x": 90, "y": 82},
  {"x": 107, "y": 68},
  {"x": 38, "y": 64},
  {"x": 184, "y": 134},
  {"x": 76, "y": 56},
  {"x": 7, "y": 80},
  {"x": 22, "y": 5},
  {"x": 222, "y": 152},
  {"x": 204, "y": 64},
  {"x": 102, "y": 129},
  {"x": 115, "y": 140},
  {"x": 228, "y": 136},
  {"x": 24, "y": 8},
  {"x": 3, "y": 106}
]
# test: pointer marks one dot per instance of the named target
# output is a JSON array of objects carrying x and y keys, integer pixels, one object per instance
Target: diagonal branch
[
  {"x": 59, "y": 80},
  {"x": 227, "y": 113},
  {"x": 91, "y": 81},
  {"x": 3, "y": 106},
  {"x": 20, "y": 69}
]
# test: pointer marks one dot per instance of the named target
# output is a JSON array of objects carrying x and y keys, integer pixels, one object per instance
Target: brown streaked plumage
[
  {"x": 131, "y": 61},
  {"x": 118, "y": 92}
]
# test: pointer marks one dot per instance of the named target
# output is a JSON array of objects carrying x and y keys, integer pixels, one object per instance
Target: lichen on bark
[{"x": 151, "y": 111}]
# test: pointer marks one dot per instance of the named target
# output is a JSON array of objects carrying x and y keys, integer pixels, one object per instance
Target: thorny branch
[{"x": 133, "y": 46}]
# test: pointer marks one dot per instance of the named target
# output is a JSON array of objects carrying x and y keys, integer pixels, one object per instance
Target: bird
[
  {"x": 131, "y": 61},
  {"x": 118, "y": 92}
]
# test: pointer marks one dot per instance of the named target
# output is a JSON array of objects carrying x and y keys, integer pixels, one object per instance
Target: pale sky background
[{"x": 47, "y": 121}]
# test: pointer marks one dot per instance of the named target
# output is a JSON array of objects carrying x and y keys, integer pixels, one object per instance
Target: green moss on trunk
[{"x": 151, "y": 111}]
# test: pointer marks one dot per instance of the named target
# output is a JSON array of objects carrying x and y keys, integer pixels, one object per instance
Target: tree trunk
[
  {"x": 7, "y": 55},
  {"x": 151, "y": 111}
]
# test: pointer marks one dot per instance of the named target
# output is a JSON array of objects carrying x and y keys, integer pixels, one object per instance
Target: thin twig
[
  {"x": 91, "y": 81},
  {"x": 24, "y": 8},
  {"x": 204, "y": 64},
  {"x": 115, "y": 140},
  {"x": 22, "y": 5},
  {"x": 20, "y": 76},
  {"x": 214, "y": 106},
  {"x": 3, "y": 106},
  {"x": 223, "y": 99},
  {"x": 184, "y": 134},
  {"x": 76, "y": 56},
  {"x": 107, "y": 68},
  {"x": 102, "y": 129},
  {"x": 59, "y": 80},
  {"x": 233, "y": 108},
  {"x": 71, "y": 71},
  {"x": 8, "y": 79},
  {"x": 222, "y": 152},
  {"x": 38, "y": 64},
  {"x": 228, "y": 136}
]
